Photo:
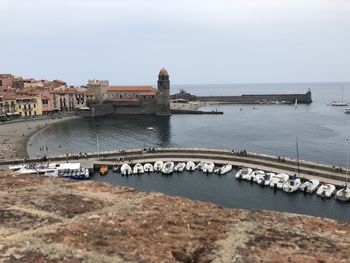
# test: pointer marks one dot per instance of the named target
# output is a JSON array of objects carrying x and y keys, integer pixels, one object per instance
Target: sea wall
[
  {"x": 257, "y": 161},
  {"x": 98, "y": 110},
  {"x": 260, "y": 98}
]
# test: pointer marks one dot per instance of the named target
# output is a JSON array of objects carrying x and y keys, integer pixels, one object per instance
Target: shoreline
[{"x": 15, "y": 136}]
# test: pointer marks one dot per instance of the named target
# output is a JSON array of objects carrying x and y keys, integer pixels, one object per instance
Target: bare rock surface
[{"x": 56, "y": 220}]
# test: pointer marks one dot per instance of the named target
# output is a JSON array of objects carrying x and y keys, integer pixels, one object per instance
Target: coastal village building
[
  {"x": 29, "y": 97},
  {"x": 131, "y": 99},
  {"x": 21, "y": 105}
]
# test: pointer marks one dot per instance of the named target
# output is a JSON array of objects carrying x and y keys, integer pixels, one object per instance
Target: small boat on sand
[
  {"x": 208, "y": 167},
  {"x": 138, "y": 169},
  {"x": 190, "y": 166},
  {"x": 126, "y": 169},
  {"x": 180, "y": 167},
  {"x": 326, "y": 190},
  {"x": 243, "y": 172},
  {"x": 103, "y": 169},
  {"x": 148, "y": 168},
  {"x": 158, "y": 166},
  {"x": 309, "y": 186},
  {"x": 168, "y": 168}
]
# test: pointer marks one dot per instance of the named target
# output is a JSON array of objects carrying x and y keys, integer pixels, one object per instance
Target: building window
[{"x": 34, "y": 113}]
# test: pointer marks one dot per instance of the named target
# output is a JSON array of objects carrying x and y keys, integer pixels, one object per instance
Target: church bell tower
[{"x": 164, "y": 92}]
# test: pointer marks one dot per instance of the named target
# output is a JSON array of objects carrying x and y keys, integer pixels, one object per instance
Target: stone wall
[
  {"x": 263, "y": 98},
  {"x": 98, "y": 110}
]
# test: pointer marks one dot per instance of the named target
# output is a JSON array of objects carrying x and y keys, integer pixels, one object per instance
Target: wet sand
[{"x": 15, "y": 135}]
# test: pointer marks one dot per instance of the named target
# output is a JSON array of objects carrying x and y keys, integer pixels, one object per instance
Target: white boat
[
  {"x": 326, "y": 190},
  {"x": 243, "y": 172},
  {"x": 291, "y": 185},
  {"x": 180, "y": 167},
  {"x": 168, "y": 168},
  {"x": 148, "y": 168},
  {"x": 200, "y": 166},
  {"x": 208, "y": 167},
  {"x": 343, "y": 194},
  {"x": 126, "y": 169},
  {"x": 27, "y": 171},
  {"x": 190, "y": 166},
  {"x": 278, "y": 180},
  {"x": 48, "y": 167},
  {"x": 309, "y": 186},
  {"x": 53, "y": 173},
  {"x": 340, "y": 103},
  {"x": 16, "y": 167},
  {"x": 347, "y": 111},
  {"x": 158, "y": 166},
  {"x": 225, "y": 169},
  {"x": 266, "y": 180},
  {"x": 255, "y": 175},
  {"x": 138, "y": 169}
]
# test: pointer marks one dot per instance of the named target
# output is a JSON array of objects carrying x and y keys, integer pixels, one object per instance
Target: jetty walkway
[{"x": 307, "y": 169}]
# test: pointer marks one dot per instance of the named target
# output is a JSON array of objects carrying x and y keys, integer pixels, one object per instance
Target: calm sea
[{"x": 323, "y": 132}]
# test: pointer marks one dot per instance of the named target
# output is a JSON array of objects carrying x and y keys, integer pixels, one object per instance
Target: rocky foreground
[{"x": 57, "y": 220}]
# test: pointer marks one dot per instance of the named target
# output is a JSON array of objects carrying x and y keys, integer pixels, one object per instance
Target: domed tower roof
[{"x": 163, "y": 72}]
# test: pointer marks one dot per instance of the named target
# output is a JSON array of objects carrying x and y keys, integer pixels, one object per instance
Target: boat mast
[
  {"x": 347, "y": 170},
  {"x": 297, "y": 156},
  {"x": 98, "y": 146},
  {"x": 342, "y": 96}
]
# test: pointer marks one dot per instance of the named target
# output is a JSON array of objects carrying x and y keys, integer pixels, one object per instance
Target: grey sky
[{"x": 198, "y": 41}]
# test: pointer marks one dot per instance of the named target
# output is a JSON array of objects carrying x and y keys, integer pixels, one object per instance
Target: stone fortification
[{"x": 130, "y": 100}]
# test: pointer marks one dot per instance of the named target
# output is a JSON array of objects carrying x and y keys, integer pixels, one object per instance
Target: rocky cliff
[{"x": 57, "y": 220}]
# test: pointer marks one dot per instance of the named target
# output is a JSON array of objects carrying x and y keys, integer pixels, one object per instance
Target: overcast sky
[{"x": 198, "y": 41}]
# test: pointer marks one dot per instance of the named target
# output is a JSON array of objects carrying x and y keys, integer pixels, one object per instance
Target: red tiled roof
[
  {"x": 90, "y": 92},
  {"x": 131, "y": 88},
  {"x": 14, "y": 96}
]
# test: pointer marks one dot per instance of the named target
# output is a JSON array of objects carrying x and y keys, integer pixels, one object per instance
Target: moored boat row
[
  {"x": 169, "y": 167},
  {"x": 64, "y": 170},
  {"x": 291, "y": 184}
]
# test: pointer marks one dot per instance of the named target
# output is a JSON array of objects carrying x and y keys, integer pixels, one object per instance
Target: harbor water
[
  {"x": 323, "y": 132},
  {"x": 228, "y": 191}
]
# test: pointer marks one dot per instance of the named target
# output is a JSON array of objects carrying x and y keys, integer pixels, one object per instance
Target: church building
[{"x": 132, "y": 99}]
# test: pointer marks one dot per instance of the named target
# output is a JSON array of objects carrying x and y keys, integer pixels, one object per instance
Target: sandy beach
[{"x": 15, "y": 135}]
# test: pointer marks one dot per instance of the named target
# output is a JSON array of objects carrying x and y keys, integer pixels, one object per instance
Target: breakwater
[
  {"x": 260, "y": 98},
  {"x": 305, "y": 98},
  {"x": 308, "y": 170}
]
